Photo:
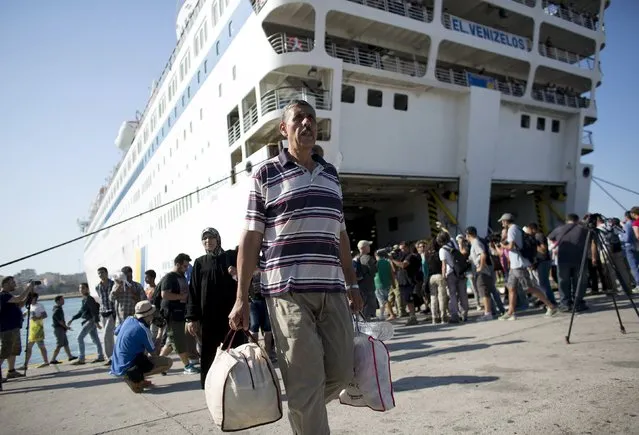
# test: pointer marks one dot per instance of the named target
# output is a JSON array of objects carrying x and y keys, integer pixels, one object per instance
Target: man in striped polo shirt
[{"x": 295, "y": 215}]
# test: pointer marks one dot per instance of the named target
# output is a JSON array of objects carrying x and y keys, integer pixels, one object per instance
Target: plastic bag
[{"x": 372, "y": 385}]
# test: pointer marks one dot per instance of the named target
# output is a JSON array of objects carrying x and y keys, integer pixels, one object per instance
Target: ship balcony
[
  {"x": 384, "y": 61},
  {"x": 271, "y": 101},
  {"x": 556, "y": 9},
  {"x": 288, "y": 43},
  {"x": 277, "y": 99},
  {"x": 250, "y": 117},
  {"x": 258, "y": 5},
  {"x": 235, "y": 132},
  {"x": 562, "y": 99},
  {"x": 402, "y": 8},
  {"x": 529, "y": 3},
  {"x": 567, "y": 57},
  {"x": 460, "y": 78},
  {"x": 587, "y": 144}
]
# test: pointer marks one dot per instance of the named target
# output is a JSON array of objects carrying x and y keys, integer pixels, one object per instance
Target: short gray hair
[{"x": 296, "y": 103}]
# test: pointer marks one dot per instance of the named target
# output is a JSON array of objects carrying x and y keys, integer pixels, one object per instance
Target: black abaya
[{"x": 212, "y": 295}]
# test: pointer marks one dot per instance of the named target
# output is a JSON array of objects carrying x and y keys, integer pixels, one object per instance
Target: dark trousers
[{"x": 568, "y": 278}]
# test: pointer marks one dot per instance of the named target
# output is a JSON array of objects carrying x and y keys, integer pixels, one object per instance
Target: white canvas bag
[
  {"x": 372, "y": 385},
  {"x": 241, "y": 388}
]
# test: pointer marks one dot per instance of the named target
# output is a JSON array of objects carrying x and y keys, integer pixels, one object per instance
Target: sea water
[{"x": 71, "y": 307}]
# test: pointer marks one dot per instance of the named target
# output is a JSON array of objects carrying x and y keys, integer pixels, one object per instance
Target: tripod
[
  {"x": 595, "y": 236},
  {"x": 26, "y": 348}
]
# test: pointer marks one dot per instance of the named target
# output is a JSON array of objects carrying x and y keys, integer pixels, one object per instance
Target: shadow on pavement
[
  {"x": 59, "y": 386},
  {"x": 420, "y": 344},
  {"x": 452, "y": 349},
  {"x": 422, "y": 382}
]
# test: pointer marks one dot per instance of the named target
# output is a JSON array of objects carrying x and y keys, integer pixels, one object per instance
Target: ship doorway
[
  {"x": 543, "y": 204},
  {"x": 389, "y": 209},
  {"x": 362, "y": 226}
]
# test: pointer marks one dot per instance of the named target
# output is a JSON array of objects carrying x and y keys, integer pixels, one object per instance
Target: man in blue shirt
[{"x": 132, "y": 344}]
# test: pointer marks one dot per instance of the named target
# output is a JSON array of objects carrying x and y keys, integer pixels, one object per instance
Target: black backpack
[
  {"x": 529, "y": 249},
  {"x": 489, "y": 257},
  {"x": 460, "y": 262},
  {"x": 612, "y": 240}
]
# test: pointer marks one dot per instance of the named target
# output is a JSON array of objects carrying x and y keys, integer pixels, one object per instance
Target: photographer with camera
[
  {"x": 617, "y": 259},
  {"x": 11, "y": 323},
  {"x": 570, "y": 242}
]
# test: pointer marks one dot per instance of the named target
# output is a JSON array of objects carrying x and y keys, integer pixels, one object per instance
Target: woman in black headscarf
[{"x": 212, "y": 294}]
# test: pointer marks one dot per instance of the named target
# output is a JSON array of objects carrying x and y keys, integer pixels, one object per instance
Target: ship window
[
  {"x": 201, "y": 113},
  {"x": 230, "y": 28},
  {"x": 199, "y": 73},
  {"x": 375, "y": 98},
  {"x": 348, "y": 94},
  {"x": 525, "y": 121},
  {"x": 217, "y": 48},
  {"x": 555, "y": 126},
  {"x": 234, "y": 72},
  {"x": 206, "y": 66},
  {"x": 541, "y": 123},
  {"x": 182, "y": 100},
  {"x": 219, "y": 89},
  {"x": 400, "y": 102},
  {"x": 188, "y": 92}
]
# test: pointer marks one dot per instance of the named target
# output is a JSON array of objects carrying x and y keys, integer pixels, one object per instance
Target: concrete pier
[{"x": 477, "y": 378}]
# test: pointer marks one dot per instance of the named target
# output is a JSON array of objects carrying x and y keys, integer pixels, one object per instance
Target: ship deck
[{"x": 492, "y": 377}]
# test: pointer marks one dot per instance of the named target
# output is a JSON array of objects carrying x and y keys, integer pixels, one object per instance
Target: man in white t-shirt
[{"x": 519, "y": 274}]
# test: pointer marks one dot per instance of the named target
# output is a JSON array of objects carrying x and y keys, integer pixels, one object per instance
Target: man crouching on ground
[
  {"x": 295, "y": 215},
  {"x": 132, "y": 344}
]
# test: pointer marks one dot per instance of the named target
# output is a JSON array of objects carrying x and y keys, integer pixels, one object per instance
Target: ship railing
[
  {"x": 234, "y": 132},
  {"x": 285, "y": 43},
  {"x": 258, "y": 5},
  {"x": 567, "y": 57},
  {"x": 169, "y": 64},
  {"x": 375, "y": 59},
  {"x": 460, "y": 78},
  {"x": 250, "y": 117},
  {"x": 530, "y": 3},
  {"x": 415, "y": 12},
  {"x": 277, "y": 99},
  {"x": 586, "y": 138},
  {"x": 554, "y": 97},
  {"x": 560, "y": 11},
  {"x": 446, "y": 21}
]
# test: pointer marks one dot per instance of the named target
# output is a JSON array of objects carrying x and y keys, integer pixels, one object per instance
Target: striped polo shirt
[{"x": 300, "y": 215}]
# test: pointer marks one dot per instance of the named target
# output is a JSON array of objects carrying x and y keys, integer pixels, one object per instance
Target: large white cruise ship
[{"x": 438, "y": 110}]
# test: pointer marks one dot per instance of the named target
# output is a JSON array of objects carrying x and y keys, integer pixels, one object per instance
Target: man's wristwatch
[{"x": 352, "y": 287}]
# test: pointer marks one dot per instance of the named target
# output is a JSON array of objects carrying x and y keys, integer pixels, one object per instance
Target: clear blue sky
[{"x": 73, "y": 71}]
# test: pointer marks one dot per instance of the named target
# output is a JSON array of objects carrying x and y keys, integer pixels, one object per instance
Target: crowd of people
[{"x": 437, "y": 274}]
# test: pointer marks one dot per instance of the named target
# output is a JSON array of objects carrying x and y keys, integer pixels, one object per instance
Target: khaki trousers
[{"x": 314, "y": 340}]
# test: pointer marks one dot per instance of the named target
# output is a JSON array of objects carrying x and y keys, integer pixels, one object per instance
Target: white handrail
[
  {"x": 375, "y": 59},
  {"x": 567, "y": 57},
  {"x": 250, "y": 117},
  {"x": 415, "y": 12},
  {"x": 258, "y": 5},
  {"x": 530, "y": 3},
  {"x": 567, "y": 14},
  {"x": 234, "y": 132},
  {"x": 287, "y": 43},
  {"x": 277, "y": 99}
]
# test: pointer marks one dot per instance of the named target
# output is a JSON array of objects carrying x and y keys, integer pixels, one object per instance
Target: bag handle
[
  {"x": 357, "y": 321},
  {"x": 231, "y": 334}
]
